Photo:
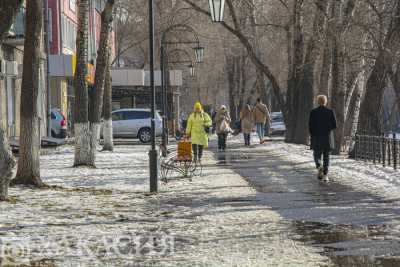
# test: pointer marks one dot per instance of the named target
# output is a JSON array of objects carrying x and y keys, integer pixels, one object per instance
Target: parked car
[
  {"x": 135, "y": 123},
  {"x": 58, "y": 124},
  {"x": 277, "y": 125}
]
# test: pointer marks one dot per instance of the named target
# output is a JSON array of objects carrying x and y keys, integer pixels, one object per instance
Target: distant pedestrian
[
  {"x": 222, "y": 121},
  {"x": 322, "y": 122},
  {"x": 213, "y": 114},
  {"x": 197, "y": 128},
  {"x": 247, "y": 121},
  {"x": 261, "y": 116}
]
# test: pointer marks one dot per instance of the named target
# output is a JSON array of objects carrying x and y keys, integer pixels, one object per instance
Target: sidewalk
[
  {"x": 103, "y": 217},
  {"x": 365, "y": 176},
  {"x": 354, "y": 219}
]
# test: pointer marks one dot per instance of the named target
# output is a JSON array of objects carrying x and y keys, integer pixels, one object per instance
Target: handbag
[
  {"x": 206, "y": 128},
  {"x": 224, "y": 127}
]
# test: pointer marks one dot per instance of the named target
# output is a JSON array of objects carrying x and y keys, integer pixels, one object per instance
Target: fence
[{"x": 378, "y": 149}]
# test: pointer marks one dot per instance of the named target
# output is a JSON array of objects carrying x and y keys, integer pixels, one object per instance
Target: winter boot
[{"x": 320, "y": 173}]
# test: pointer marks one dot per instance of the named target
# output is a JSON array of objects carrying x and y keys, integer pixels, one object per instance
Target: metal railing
[{"x": 383, "y": 150}]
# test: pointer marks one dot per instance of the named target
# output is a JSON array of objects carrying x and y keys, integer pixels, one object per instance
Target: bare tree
[
  {"x": 28, "y": 172},
  {"x": 102, "y": 63},
  {"x": 387, "y": 41},
  {"x": 339, "y": 77}
]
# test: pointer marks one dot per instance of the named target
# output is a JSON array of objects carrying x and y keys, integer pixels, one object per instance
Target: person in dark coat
[{"x": 322, "y": 122}]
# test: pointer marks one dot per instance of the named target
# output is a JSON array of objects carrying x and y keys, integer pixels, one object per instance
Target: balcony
[{"x": 16, "y": 34}]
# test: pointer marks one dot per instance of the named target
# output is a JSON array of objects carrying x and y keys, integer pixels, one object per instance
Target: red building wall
[{"x": 62, "y": 7}]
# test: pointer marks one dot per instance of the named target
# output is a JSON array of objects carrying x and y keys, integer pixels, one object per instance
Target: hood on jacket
[{"x": 197, "y": 106}]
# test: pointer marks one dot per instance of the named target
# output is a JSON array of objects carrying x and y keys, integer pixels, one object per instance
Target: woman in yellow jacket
[{"x": 196, "y": 129}]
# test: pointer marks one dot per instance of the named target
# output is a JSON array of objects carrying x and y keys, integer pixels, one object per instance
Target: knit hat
[{"x": 197, "y": 106}]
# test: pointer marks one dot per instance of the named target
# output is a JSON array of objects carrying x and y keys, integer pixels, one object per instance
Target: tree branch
[{"x": 246, "y": 43}]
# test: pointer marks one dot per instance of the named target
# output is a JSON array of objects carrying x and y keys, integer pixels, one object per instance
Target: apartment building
[
  {"x": 63, "y": 21},
  {"x": 62, "y": 36}
]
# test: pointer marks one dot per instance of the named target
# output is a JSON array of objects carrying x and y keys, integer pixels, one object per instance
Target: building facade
[
  {"x": 62, "y": 38},
  {"x": 131, "y": 89},
  {"x": 11, "y": 57},
  {"x": 63, "y": 20}
]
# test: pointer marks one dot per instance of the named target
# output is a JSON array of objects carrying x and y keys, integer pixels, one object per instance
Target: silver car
[
  {"x": 277, "y": 125},
  {"x": 58, "y": 124},
  {"x": 136, "y": 123}
]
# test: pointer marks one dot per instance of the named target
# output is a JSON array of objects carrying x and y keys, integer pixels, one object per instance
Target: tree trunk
[
  {"x": 7, "y": 163},
  {"x": 231, "y": 71},
  {"x": 302, "y": 57},
  {"x": 296, "y": 54},
  {"x": 395, "y": 78},
  {"x": 81, "y": 120},
  {"x": 341, "y": 13},
  {"x": 96, "y": 104},
  {"x": 338, "y": 91},
  {"x": 370, "y": 119},
  {"x": 8, "y": 11},
  {"x": 28, "y": 172},
  {"x": 371, "y": 107},
  {"x": 356, "y": 110},
  {"x": 107, "y": 108},
  {"x": 261, "y": 89}
]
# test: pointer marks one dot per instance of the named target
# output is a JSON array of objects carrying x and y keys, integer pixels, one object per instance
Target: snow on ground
[
  {"x": 103, "y": 217},
  {"x": 364, "y": 176}
]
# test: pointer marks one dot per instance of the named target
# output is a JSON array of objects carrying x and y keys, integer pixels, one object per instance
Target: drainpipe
[
  {"x": 60, "y": 12},
  {"x": 46, "y": 6}
]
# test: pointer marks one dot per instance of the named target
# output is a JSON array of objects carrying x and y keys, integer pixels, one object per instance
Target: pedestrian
[
  {"x": 197, "y": 129},
  {"x": 213, "y": 114},
  {"x": 261, "y": 116},
  {"x": 222, "y": 121},
  {"x": 322, "y": 122},
  {"x": 247, "y": 122}
]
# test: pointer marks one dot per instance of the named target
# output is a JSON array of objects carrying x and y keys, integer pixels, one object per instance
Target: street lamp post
[
  {"x": 164, "y": 101},
  {"x": 153, "y": 152},
  {"x": 217, "y": 10},
  {"x": 164, "y": 85},
  {"x": 199, "y": 55}
]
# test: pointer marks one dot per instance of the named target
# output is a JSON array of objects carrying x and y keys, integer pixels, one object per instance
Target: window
[
  {"x": 277, "y": 119},
  {"x": 117, "y": 116},
  {"x": 18, "y": 28},
  {"x": 57, "y": 115},
  {"x": 100, "y": 5},
  {"x": 136, "y": 115},
  {"x": 68, "y": 33},
  {"x": 72, "y": 5}
]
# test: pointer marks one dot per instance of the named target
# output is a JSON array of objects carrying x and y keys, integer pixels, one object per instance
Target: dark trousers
[
  {"x": 197, "y": 151},
  {"x": 222, "y": 141},
  {"x": 322, "y": 153},
  {"x": 246, "y": 139}
]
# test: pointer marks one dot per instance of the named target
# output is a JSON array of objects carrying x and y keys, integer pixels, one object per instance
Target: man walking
[
  {"x": 321, "y": 124},
  {"x": 261, "y": 115}
]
